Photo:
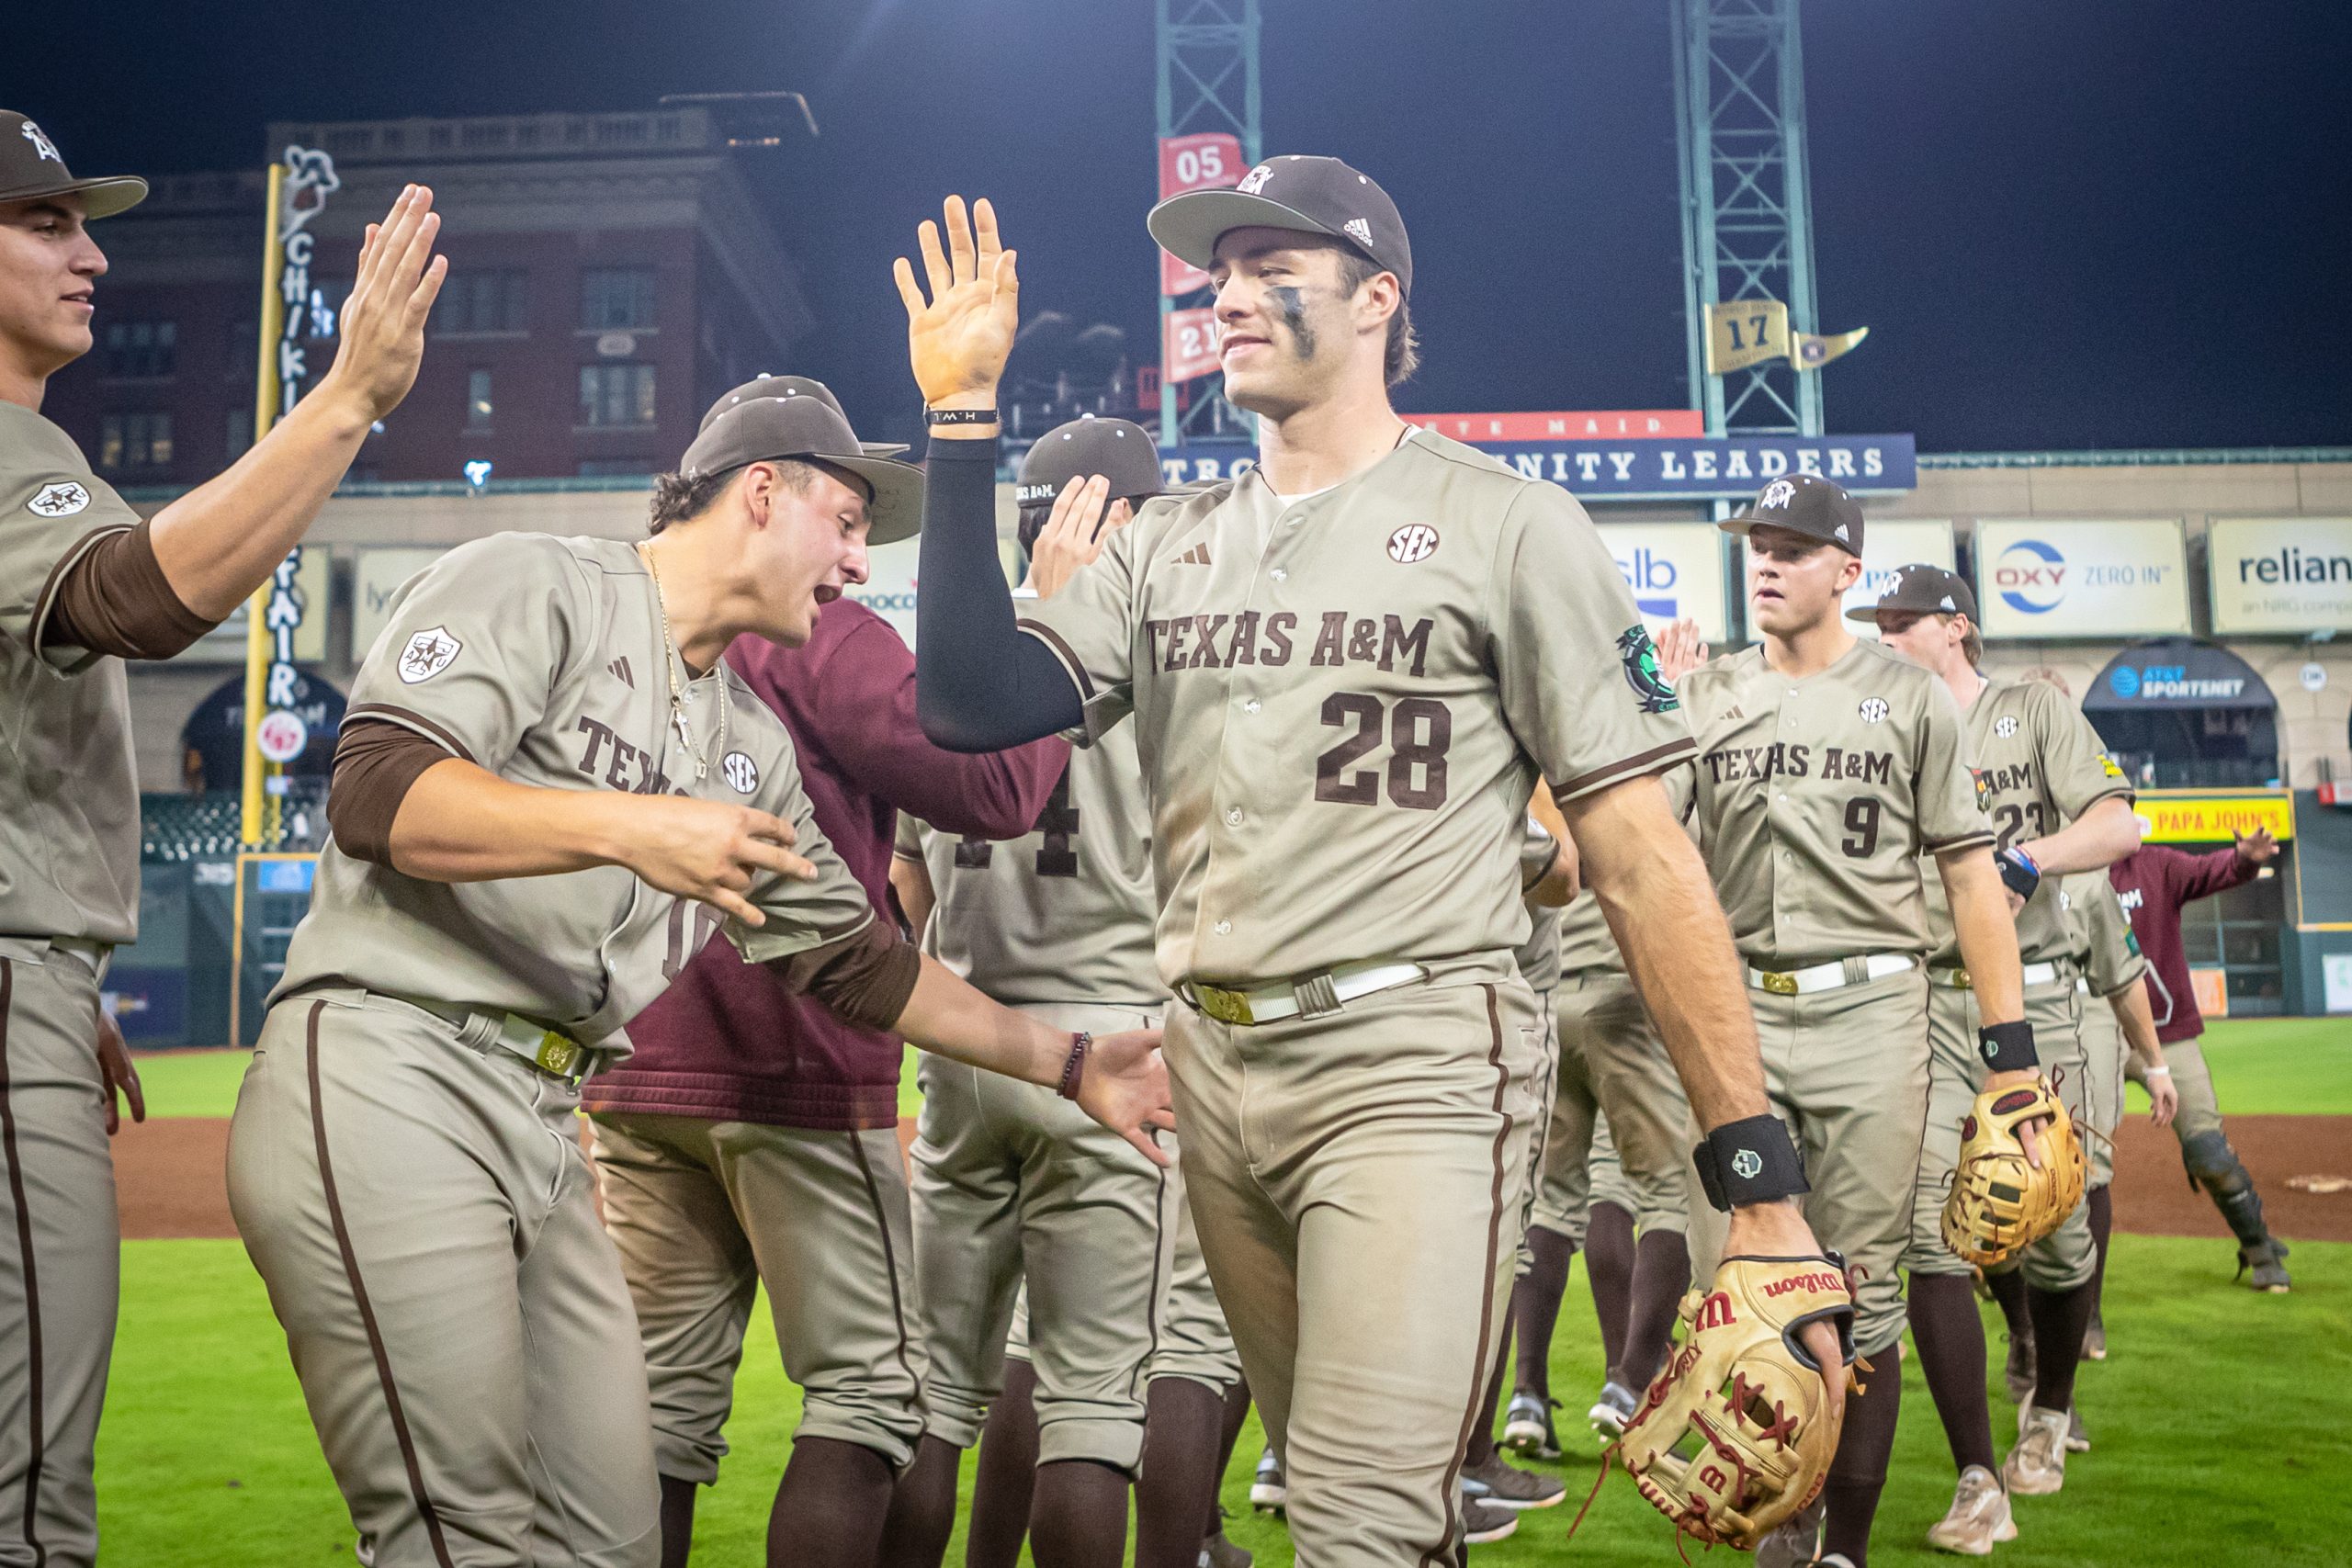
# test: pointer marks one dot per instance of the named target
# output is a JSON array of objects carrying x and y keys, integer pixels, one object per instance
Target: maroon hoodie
[
  {"x": 2154, "y": 883},
  {"x": 726, "y": 1042}
]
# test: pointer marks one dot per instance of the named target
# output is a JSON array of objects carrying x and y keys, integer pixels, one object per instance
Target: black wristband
[
  {"x": 1752, "y": 1160},
  {"x": 2008, "y": 1047},
  {"x": 2019, "y": 874},
  {"x": 959, "y": 416}
]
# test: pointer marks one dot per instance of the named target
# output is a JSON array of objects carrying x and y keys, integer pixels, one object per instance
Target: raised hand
[
  {"x": 1074, "y": 534},
  {"x": 1680, "y": 649},
  {"x": 382, "y": 339},
  {"x": 959, "y": 338},
  {"x": 2258, "y": 848}
]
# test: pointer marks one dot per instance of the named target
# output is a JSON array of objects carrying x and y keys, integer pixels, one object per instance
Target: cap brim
[
  {"x": 1869, "y": 614},
  {"x": 1189, "y": 226},
  {"x": 1746, "y": 521},
  {"x": 885, "y": 448},
  {"x": 895, "y": 510},
  {"x": 100, "y": 197}
]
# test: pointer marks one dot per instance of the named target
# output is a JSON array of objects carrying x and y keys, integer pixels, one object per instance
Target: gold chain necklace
[{"x": 673, "y": 659}]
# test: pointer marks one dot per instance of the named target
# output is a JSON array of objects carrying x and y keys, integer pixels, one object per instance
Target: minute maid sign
[{"x": 2046, "y": 578}]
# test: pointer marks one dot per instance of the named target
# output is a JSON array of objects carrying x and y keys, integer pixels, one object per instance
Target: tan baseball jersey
[
  {"x": 69, "y": 779},
  {"x": 543, "y": 661},
  {"x": 2101, "y": 934},
  {"x": 1817, "y": 796},
  {"x": 1064, "y": 914},
  {"x": 1343, "y": 702},
  {"x": 2038, "y": 766}
]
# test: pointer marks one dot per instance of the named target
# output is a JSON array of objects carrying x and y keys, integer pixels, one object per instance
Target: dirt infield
[{"x": 168, "y": 1176}]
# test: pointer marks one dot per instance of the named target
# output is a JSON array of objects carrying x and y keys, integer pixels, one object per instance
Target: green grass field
[
  {"x": 2218, "y": 1423},
  {"x": 2217, "y": 1427},
  {"x": 2265, "y": 1067}
]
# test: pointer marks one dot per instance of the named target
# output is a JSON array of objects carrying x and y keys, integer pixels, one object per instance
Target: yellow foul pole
[{"x": 266, "y": 396}]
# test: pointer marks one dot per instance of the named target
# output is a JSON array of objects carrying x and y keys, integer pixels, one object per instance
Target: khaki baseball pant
[
  {"x": 2105, "y": 1053},
  {"x": 1193, "y": 1340},
  {"x": 60, "y": 1257},
  {"x": 1847, "y": 1070},
  {"x": 702, "y": 1211},
  {"x": 1618, "y": 1092},
  {"x": 1014, "y": 1184},
  {"x": 415, "y": 1199},
  {"x": 1355, "y": 1179},
  {"x": 2066, "y": 1257},
  {"x": 2201, "y": 1110}
]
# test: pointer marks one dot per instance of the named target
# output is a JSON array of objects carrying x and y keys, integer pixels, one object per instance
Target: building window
[
  {"x": 130, "y": 442},
  {"x": 140, "y": 349},
  {"x": 480, "y": 302},
  {"x": 616, "y": 298},
  {"x": 620, "y": 468},
  {"x": 615, "y": 395},
  {"x": 478, "y": 403}
]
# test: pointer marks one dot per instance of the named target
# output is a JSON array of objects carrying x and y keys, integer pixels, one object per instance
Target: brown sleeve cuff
[
  {"x": 375, "y": 763},
  {"x": 865, "y": 977},
  {"x": 116, "y": 600}
]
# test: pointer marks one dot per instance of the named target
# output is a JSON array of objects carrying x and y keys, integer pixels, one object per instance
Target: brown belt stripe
[
  {"x": 889, "y": 1254},
  {"x": 367, "y": 1312},
  {"x": 36, "y": 1418},
  {"x": 1445, "y": 1550}
]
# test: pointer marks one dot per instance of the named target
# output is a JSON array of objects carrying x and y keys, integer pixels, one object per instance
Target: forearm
[
  {"x": 947, "y": 1016},
  {"x": 462, "y": 823},
  {"x": 222, "y": 540},
  {"x": 2093, "y": 841},
  {"x": 1988, "y": 937},
  {"x": 2138, "y": 1022},
  {"x": 911, "y": 879},
  {"x": 1660, "y": 906},
  {"x": 980, "y": 684}
]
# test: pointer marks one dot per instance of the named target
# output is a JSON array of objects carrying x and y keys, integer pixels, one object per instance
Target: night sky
[{"x": 2068, "y": 223}]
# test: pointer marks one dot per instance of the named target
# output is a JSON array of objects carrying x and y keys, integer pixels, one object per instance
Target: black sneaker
[
  {"x": 1508, "y": 1487},
  {"x": 1482, "y": 1522}
]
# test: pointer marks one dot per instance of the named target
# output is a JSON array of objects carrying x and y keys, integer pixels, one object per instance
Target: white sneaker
[
  {"x": 1613, "y": 1409},
  {"x": 1979, "y": 1516},
  {"x": 1795, "y": 1542},
  {"x": 2037, "y": 1466}
]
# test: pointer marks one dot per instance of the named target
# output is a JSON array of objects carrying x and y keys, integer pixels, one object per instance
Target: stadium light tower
[
  {"x": 1208, "y": 82},
  {"x": 1746, "y": 200}
]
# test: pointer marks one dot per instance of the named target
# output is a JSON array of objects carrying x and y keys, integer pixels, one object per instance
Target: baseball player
[
  {"x": 2058, "y": 805},
  {"x": 1009, "y": 1187},
  {"x": 83, "y": 585},
  {"x": 1582, "y": 1204},
  {"x": 2153, "y": 881},
  {"x": 549, "y": 790},
  {"x": 1348, "y": 669},
  {"x": 2121, "y": 1027},
  {"x": 1829, "y": 766}
]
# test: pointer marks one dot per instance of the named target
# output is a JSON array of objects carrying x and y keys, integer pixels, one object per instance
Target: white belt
[
  {"x": 93, "y": 956},
  {"x": 1314, "y": 996},
  {"x": 1830, "y": 976},
  {"x": 550, "y": 1050},
  {"x": 2032, "y": 975}
]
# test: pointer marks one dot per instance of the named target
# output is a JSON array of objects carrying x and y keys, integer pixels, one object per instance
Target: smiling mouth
[
  {"x": 1233, "y": 344},
  {"x": 83, "y": 299}
]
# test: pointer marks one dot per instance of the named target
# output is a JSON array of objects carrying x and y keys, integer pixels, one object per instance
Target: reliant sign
[
  {"x": 2046, "y": 578},
  {"x": 2280, "y": 574}
]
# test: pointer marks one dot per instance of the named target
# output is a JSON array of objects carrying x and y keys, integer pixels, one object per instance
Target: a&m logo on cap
[
  {"x": 41, "y": 144},
  {"x": 1777, "y": 495},
  {"x": 1255, "y": 180}
]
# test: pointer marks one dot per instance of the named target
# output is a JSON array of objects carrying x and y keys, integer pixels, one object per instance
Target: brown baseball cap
[
  {"x": 767, "y": 386},
  {"x": 31, "y": 168},
  {"x": 1118, "y": 449},
  {"x": 1807, "y": 504},
  {"x": 1922, "y": 589},
  {"x": 765, "y": 427},
  {"x": 1309, "y": 194}
]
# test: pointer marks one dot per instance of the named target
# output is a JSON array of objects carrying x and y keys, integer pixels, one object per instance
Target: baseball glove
[
  {"x": 1736, "y": 1434},
  {"x": 1999, "y": 1202}
]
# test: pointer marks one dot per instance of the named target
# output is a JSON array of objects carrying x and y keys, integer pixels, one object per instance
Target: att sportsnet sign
[{"x": 1650, "y": 469}]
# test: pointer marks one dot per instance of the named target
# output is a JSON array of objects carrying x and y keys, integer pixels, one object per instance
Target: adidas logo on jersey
[
  {"x": 1197, "y": 556},
  {"x": 620, "y": 667}
]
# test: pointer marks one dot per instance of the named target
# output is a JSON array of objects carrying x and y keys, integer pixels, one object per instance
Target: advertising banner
[
  {"x": 2289, "y": 575},
  {"x": 1189, "y": 351},
  {"x": 1888, "y": 544},
  {"x": 375, "y": 575},
  {"x": 2047, "y": 578},
  {"x": 2166, "y": 818},
  {"x": 1730, "y": 467},
  {"x": 1587, "y": 424},
  {"x": 1675, "y": 569}
]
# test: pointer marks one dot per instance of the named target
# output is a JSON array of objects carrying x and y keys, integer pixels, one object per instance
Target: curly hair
[{"x": 678, "y": 497}]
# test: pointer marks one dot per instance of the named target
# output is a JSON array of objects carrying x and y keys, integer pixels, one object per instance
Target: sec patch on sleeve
[
  {"x": 1639, "y": 656},
  {"x": 427, "y": 654},
  {"x": 62, "y": 499}
]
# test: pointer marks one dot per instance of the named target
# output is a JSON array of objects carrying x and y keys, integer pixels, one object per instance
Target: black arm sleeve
[{"x": 981, "y": 683}]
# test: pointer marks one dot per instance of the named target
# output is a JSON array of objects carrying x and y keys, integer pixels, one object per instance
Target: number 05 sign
[{"x": 1206, "y": 161}]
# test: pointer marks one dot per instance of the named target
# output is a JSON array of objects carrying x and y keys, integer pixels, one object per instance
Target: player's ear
[{"x": 1849, "y": 571}]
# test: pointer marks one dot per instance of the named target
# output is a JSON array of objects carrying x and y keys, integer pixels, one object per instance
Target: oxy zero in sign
[{"x": 1209, "y": 161}]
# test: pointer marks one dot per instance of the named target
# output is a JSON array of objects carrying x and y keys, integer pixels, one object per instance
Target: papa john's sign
[{"x": 2044, "y": 578}]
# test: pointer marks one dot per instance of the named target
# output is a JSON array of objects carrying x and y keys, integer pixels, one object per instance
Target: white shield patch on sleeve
[{"x": 428, "y": 653}]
